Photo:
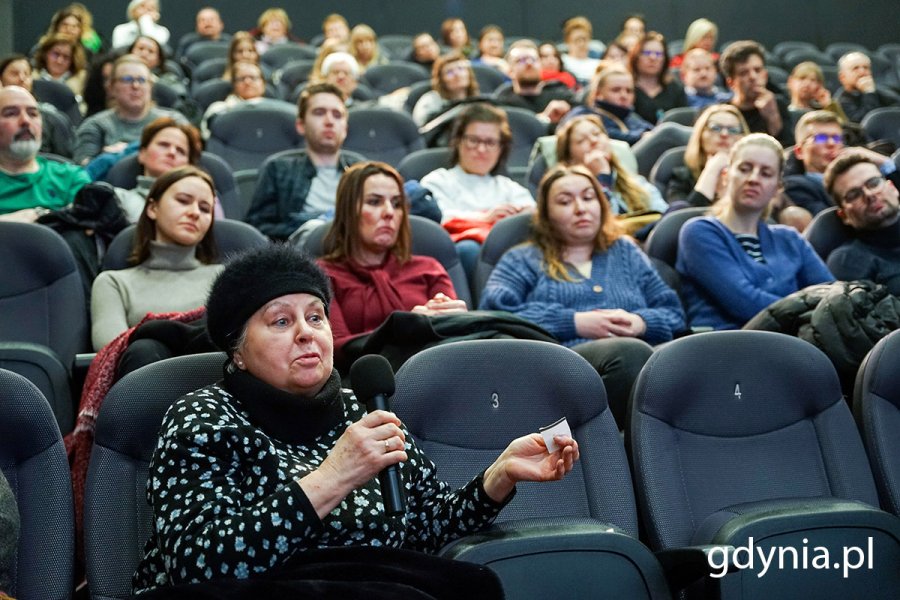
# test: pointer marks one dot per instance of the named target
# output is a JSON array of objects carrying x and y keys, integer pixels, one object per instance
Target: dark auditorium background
[{"x": 870, "y": 23}]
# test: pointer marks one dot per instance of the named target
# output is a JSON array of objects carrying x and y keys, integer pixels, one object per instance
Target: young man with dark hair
[
  {"x": 300, "y": 186},
  {"x": 869, "y": 203},
  {"x": 744, "y": 66}
]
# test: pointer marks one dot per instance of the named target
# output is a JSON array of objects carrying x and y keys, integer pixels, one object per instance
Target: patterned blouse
[{"x": 225, "y": 499}]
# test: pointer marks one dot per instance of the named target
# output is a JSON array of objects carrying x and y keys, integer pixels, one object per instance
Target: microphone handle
[{"x": 389, "y": 478}]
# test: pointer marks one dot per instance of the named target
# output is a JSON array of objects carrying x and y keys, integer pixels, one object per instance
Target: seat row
[{"x": 736, "y": 440}]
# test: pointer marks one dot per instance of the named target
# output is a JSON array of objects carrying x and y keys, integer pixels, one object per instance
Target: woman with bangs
[
  {"x": 656, "y": 91},
  {"x": 699, "y": 182},
  {"x": 585, "y": 282}
]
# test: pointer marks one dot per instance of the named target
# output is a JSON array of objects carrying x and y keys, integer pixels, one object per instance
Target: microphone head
[{"x": 371, "y": 375}]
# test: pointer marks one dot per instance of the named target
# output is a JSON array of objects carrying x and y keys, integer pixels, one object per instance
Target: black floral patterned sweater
[{"x": 225, "y": 499}]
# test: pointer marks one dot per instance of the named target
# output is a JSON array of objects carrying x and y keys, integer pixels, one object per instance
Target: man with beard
[
  {"x": 744, "y": 66},
  {"x": 299, "y": 186},
  {"x": 549, "y": 100},
  {"x": 30, "y": 185},
  {"x": 865, "y": 191}
]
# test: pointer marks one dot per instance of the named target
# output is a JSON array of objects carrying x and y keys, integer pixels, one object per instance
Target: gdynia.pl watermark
[{"x": 851, "y": 558}]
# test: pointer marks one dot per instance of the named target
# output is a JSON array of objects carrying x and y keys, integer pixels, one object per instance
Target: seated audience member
[
  {"x": 208, "y": 28},
  {"x": 577, "y": 34},
  {"x": 61, "y": 58},
  {"x": 858, "y": 94},
  {"x": 656, "y": 91},
  {"x": 335, "y": 28},
  {"x": 806, "y": 85},
  {"x": 701, "y": 34},
  {"x": 490, "y": 49},
  {"x": 30, "y": 185},
  {"x": 368, "y": 260},
  {"x": 698, "y": 73},
  {"x": 97, "y": 89},
  {"x": 586, "y": 283},
  {"x": 89, "y": 37},
  {"x": 455, "y": 36},
  {"x": 241, "y": 49},
  {"x": 700, "y": 181},
  {"x": 112, "y": 129},
  {"x": 143, "y": 19},
  {"x": 341, "y": 70},
  {"x": 583, "y": 141},
  {"x": 68, "y": 21},
  {"x": 272, "y": 28},
  {"x": 744, "y": 66},
  {"x": 364, "y": 47},
  {"x": 552, "y": 65},
  {"x": 733, "y": 264},
  {"x": 820, "y": 139},
  {"x": 9, "y": 534},
  {"x": 165, "y": 144},
  {"x": 247, "y": 83},
  {"x": 173, "y": 254},
  {"x": 452, "y": 80},
  {"x": 57, "y": 131},
  {"x": 868, "y": 202},
  {"x": 424, "y": 51},
  {"x": 472, "y": 194},
  {"x": 634, "y": 26},
  {"x": 315, "y": 451},
  {"x": 293, "y": 189},
  {"x": 617, "y": 52},
  {"x": 611, "y": 97},
  {"x": 548, "y": 99},
  {"x": 154, "y": 56}
]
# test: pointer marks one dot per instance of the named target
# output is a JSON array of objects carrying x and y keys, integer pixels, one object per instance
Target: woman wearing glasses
[
  {"x": 656, "y": 91},
  {"x": 699, "y": 182},
  {"x": 472, "y": 194},
  {"x": 732, "y": 263}
]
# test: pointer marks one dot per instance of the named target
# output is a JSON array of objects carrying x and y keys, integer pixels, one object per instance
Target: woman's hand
[
  {"x": 502, "y": 211},
  {"x": 527, "y": 459},
  {"x": 712, "y": 175},
  {"x": 597, "y": 162},
  {"x": 607, "y": 323},
  {"x": 365, "y": 448},
  {"x": 441, "y": 304}
]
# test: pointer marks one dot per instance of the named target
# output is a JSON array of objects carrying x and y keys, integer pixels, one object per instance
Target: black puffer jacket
[{"x": 843, "y": 319}]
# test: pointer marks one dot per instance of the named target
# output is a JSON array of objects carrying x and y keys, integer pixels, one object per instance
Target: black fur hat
[{"x": 253, "y": 278}]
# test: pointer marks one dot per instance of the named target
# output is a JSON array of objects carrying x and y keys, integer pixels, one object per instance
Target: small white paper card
[{"x": 560, "y": 427}]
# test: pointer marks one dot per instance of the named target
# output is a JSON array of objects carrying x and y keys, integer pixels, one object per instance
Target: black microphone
[{"x": 372, "y": 379}]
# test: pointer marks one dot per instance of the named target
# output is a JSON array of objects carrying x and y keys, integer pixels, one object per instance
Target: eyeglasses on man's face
[
  {"x": 131, "y": 80},
  {"x": 872, "y": 184}
]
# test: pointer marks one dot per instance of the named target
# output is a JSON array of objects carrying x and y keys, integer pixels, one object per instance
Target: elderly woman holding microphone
[{"x": 276, "y": 459}]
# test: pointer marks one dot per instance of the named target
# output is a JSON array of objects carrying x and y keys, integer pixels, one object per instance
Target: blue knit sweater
[
  {"x": 723, "y": 288},
  {"x": 622, "y": 277}
]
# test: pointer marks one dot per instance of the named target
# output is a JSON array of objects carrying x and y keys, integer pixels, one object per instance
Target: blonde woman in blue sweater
[{"x": 586, "y": 283}]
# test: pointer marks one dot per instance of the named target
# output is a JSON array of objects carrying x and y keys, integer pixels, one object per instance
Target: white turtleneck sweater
[{"x": 171, "y": 279}]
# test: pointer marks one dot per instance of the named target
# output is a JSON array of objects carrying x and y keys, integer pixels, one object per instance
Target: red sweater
[{"x": 365, "y": 296}]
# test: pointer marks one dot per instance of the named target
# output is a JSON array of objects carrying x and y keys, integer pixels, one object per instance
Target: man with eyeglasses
[
  {"x": 820, "y": 139},
  {"x": 743, "y": 64},
  {"x": 112, "y": 130},
  {"x": 865, "y": 191},
  {"x": 549, "y": 100},
  {"x": 30, "y": 185}
]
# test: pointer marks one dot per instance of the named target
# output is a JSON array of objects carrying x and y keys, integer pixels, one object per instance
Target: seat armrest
[{"x": 684, "y": 566}]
